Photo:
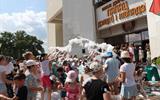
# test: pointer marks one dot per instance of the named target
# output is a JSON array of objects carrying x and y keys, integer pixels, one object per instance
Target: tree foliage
[{"x": 15, "y": 44}]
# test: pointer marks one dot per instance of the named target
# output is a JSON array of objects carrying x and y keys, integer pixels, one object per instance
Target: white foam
[{"x": 83, "y": 42}]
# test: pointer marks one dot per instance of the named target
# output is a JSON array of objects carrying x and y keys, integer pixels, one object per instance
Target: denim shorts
[
  {"x": 128, "y": 92},
  {"x": 3, "y": 88}
]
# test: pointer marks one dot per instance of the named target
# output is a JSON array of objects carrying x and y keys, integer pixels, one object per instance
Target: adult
[
  {"x": 9, "y": 75},
  {"x": 111, "y": 66},
  {"x": 31, "y": 80},
  {"x": 136, "y": 54},
  {"x": 95, "y": 88},
  {"x": 3, "y": 78},
  {"x": 141, "y": 54},
  {"x": 148, "y": 55},
  {"x": 152, "y": 71},
  {"x": 128, "y": 88},
  {"x": 28, "y": 56},
  {"x": 131, "y": 50}
]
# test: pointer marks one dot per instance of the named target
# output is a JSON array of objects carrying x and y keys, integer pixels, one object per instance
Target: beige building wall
[
  {"x": 59, "y": 34},
  {"x": 53, "y": 7},
  {"x": 51, "y": 34},
  {"x": 54, "y": 18},
  {"x": 78, "y": 19}
]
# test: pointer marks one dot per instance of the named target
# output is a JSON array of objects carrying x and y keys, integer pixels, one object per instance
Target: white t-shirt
[
  {"x": 129, "y": 69},
  {"x": 55, "y": 96},
  {"x": 9, "y": 68},
  {"x": 2, "y": 69},
  {"x": 45, "y": 67}
]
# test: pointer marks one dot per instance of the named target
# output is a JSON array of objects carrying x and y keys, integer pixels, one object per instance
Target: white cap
[
  {"x": 125, "y": 54},
  {"x": 31, "y": 63},
  {"x": 71, "y": 76}
]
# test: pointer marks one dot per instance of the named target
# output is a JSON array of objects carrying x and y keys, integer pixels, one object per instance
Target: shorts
[
  {"x": 128, "y": 92},
  {"x": 46, "y": 82},
  {"x": 3, "y": 88}
]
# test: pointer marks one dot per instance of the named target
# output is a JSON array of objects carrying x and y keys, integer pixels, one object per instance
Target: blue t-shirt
[{"x": 112, "y": 69}]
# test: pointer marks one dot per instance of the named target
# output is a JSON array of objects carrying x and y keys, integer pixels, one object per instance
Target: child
[
  {"x": 31, "y": 80},
  {"x": 87, "y": 74},
  {"x": 3, "y": 80},
  {"x": 46, "y": 70},
  {"x": 139, "y": 80},
  {"x": 21, "y": 93},
  {"x": 71, "y": 86},
  {"x": 94, "y": 88},
  {"x": 62, "y": 77},
  {"x": 21, "y": 90},
  {"x": 55, "y": 93}
]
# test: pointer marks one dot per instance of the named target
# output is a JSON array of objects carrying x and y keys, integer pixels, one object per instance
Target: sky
[{"x": 27, "y": 15}]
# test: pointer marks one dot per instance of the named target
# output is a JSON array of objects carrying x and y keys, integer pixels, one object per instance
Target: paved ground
[{"x": 116, "y": 97}]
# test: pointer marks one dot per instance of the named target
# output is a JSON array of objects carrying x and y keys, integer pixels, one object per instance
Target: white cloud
[{"x": 32, "y": 22}]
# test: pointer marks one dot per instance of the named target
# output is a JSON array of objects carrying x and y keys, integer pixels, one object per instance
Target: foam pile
[{"x": 87, "y": 44}]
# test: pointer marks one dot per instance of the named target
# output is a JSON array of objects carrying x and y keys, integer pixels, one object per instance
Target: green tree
[{"x": 15, "y": 44}]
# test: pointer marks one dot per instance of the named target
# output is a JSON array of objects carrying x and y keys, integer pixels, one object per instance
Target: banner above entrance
[{"x": 119, "y": 11}]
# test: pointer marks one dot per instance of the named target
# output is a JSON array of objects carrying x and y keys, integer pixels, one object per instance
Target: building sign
[
  {"x": 153, "y": 17},
  {"x": 119, "y": 11}
]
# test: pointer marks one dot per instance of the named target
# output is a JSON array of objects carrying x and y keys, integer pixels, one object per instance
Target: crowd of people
[
  {"x": 139, "y": 54},
  {"x": 98, "y": 76}
]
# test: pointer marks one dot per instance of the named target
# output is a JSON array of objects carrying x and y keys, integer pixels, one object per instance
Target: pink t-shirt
[{"x": 72, "y": 92}]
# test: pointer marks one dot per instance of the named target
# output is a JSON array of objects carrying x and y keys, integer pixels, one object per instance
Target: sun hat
[
  {"x": 95, "y": 66},
  {"x": 30, "y": 63},
  {"x": 125, "y": 54},
  {"x": 71, "y": 76}
]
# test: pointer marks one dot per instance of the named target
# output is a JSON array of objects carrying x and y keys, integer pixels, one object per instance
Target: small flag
[{"x": 155, "y": 7}]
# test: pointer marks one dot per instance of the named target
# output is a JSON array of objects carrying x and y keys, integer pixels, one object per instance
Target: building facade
[
  {"x": 68, "y": 19},
  {"x": 123, "y": 21},
  {"x": 111, "y": 21},
  {"x": 54, "y": 18}
]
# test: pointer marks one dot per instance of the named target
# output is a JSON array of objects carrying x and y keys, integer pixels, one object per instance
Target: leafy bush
[{"x": 158, "y": 61}]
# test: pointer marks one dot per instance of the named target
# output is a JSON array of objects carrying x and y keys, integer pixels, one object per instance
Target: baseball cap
[{"x": 107, "y": 54}]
